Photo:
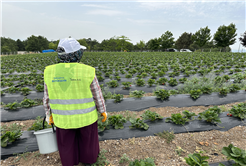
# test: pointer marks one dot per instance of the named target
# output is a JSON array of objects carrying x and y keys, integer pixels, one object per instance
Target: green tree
[
  {"x": 10, "y": 43},
  {"x": 243, "y": 39},
  {"x": 202, "y": 36},
  {"x": 166, "y": 40},
  {"x": 140, "y": 45},
  {"x": 83, "y": 42},
  {"x": 123, "y": 40},
  {"x": 225, "y": 35},
  {"x": 37, "y": 43},
  {"x": 184, "y": 41},
  {"x": 5, "y": 49},
  {"x": 52, "y": 46},
  {"x": 20, "y": 45},
  {"x": 153, "y": 44}
]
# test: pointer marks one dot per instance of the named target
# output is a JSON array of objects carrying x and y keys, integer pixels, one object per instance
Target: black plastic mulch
[
  {"x": 181, "y": 100},
  {"x": 26, "y": 143},
  {"x": 133, "y": 104},
  {"x": 146, "y": 89},
  {"x": 161, "y": 125},
  {"x": 10, "y": 98},
  {"x": 22, "y": 114}
]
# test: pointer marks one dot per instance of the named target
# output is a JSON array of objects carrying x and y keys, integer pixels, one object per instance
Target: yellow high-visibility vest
[{"x": 70, "y": 97}]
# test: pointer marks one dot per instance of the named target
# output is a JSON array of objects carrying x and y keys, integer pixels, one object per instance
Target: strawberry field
[{"x": 181, "y": 80}]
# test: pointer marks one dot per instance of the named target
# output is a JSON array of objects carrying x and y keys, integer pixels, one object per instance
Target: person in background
[{"x": 72, "y": 97}]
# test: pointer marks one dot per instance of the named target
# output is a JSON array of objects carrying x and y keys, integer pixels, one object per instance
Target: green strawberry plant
[
  {"x": 154, "y": 75},
  {"x": 27, "y": 103},
  {"x": 128, "y": 75},
  {"x": 118, "y": 78},
  {"x": 182, "y": 80},
  {"x": 141, "y": 162},
  {"x": 196, "y": 159},
  {"x": 161, "y": 73},
  {"x": 206, "y": 89},
  {"x": 173, "y": 81},
  {"x": 100, "y": 78},
  {"x": 112, "y": 83},
  {"x": 234, "y": 87},
  {"x": 140, "y": 82},
  {"x": 118, "y": 98},
  {"x": 237, "y": 70},
  {"x": 151, "y": 82},
  {"x": 25, "y": 91},
  {"x": 177, "y": 119},
  {"x": 40, "y": 88},
  {"x": 122, "y": 71},
  {"x": 231, "y": 71},
  {"x": 38, "y": 124},
  {"x": 223, "y": 90},
  {"x": 239, "y": 110},
  {"x": 173, "y": 92},
  {"x": 137, "y": 94},
  {"x": 162, "y": 81},
  {"x": 12, "y": 106},
  {"x": 138, "y": 123},
  {"x": 226, "y": 77},
  {"x": 13, "y": 89},
  {"x": 1, "y": 93},
  {"x": 139, "y": 76},
  {"x": 107, "y": 74},
  {"x": 209, "y": 116},
  {"x": 195, "y": 93},
  {"x": 215, "y": 109},
  {"x": 9, "y": 136},
  {"x": 188, "y": 114},
  {"x": 117, "y": 121},
  {"x": 144, "y": 74},
  {"x": 172, "y": 74},
  {"x": 187, "y": 73},
  {"x": 151, "y": 115},
  {"x": 236, "y": 154},
  {"x": 161, "y": 94},
  {"x": 126, "y": 85}
]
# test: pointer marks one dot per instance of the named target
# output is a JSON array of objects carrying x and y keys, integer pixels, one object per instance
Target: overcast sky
[{"x": 138, "y": 20}]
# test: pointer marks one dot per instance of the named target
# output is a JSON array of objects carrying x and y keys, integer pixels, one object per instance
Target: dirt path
[{"x": 209, "y": 143}]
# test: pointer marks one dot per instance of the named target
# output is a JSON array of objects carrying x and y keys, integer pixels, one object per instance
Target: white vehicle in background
[{"x": 185, "y": 50}]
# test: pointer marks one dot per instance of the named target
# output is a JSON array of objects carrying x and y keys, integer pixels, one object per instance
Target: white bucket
[{"x": 46, "y": 139}]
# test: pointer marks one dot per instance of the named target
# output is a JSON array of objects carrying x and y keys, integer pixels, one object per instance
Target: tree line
[{"x": 200, "y": 40}]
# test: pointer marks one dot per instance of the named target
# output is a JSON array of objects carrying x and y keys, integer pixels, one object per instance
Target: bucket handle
[{"x": 51, "y": 125}]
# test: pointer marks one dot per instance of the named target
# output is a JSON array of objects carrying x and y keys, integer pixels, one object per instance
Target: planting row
[
  {"x": 162, "y": 99},
  {"x": 211, "y": 115}
]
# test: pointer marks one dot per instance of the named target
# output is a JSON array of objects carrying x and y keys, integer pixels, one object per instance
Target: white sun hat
[{"x": 70, "y": 45}]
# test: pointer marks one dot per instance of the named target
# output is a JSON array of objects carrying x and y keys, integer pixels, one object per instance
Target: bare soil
[{"x": 209, "y": 143}]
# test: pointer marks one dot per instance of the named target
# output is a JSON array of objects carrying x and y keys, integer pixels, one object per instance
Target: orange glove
[
  {"x": 104, "y": 115},
  {"x": 51, "y": 120}
]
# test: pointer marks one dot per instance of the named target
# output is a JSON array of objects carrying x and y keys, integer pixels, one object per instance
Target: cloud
[
  {"x": 143, "y": 21},
  {"x": 94, "y": 6},
  {"x": 105, "y": 12},
  {"x": 12, "y": 9}
]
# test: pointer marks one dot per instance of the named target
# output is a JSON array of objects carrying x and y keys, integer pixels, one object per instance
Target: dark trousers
[{"x": 78, "y": 145}]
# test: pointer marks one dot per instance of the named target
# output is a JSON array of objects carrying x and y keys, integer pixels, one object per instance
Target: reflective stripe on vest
[
  {"x": 73, "y": 112},
  {"x": 71, "y": 101}
]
